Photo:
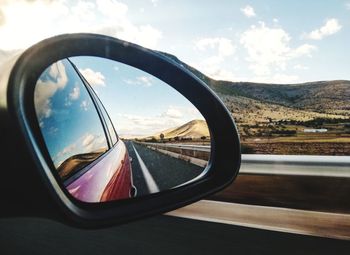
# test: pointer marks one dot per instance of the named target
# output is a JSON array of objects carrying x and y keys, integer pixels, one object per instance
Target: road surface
[{"x": 154, "y": 171}]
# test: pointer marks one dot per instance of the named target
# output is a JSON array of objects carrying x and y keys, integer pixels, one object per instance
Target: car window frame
[
  {"x": 97, "y": 103},
  {"x": 103, "y": 113},
  {"x": 74, "y": 176},
  {"x": 103, "y": 109}
]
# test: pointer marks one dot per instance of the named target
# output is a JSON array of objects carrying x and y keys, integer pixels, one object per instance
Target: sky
[
  {"x": 263, "y": 41},
  {"x": 68, "y": 119},
  {"x": 138, "y": 103}
]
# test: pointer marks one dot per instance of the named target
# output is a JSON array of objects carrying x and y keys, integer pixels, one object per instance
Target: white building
[{"x": 315, "y": 130}]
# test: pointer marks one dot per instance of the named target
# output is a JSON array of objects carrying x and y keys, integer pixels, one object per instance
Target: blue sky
[
  {"x": 138, "y": 103},
  {"x": 262, "y": 41},
  {"x": 67, "y": 117}
]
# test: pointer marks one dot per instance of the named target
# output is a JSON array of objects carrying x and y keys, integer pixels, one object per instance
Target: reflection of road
[{"x": 165, "y": 171}]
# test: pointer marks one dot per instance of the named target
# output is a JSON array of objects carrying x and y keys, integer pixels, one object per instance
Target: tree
[{"x": 161, "y": 136}]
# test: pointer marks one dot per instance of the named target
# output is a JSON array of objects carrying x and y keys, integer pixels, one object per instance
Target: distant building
[{"x": 315, "y": 130}]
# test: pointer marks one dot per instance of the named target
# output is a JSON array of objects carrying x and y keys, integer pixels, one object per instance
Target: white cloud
[
  {"x": 94, "y": 78},
  {"x": 67, "y": 149},
  {"x": 65, "y": 153},
  {"x": 278, "y": 78},
  {"x": 268, "y": 48},
  {"x": 144, "y": 35},
  {"x": 347, "y": 5},
  {"x": 303, "y": 50},
  {"x": 2, "y": 18},
  {"x": 84, "y": 10},
  {"x": 84, "y": 144},
  {"x": 212, "y": 67},
  {"x": 223, "y": 46},
  {"x": 84, "y": 105},
  {"x": 154, "y": 2},
  {"x": 141, "y": 125},
  {"x": 26, "y": 18},
  {"x": 145, "y": 125},
  {"x": 331, "y": 26},
  {"x": 112, "y": 8},
  {"x": 300, "y": 67},
  {"x": 283, "y": 78},
  {"x": 220, "y": 49},
  {"x": 225, "y": 75},
  {"x": 248, "y": 11},
  {"x": 145, "y": 81},
  {"x": 45, "y": 90},
  {"x": 172, "y": 113},
  {"x": 35, "y": 20},
  {"x": 74, "y": 95},
  {"x": 87, "y": 140}
]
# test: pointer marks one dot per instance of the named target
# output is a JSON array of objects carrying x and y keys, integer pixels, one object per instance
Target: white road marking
[{"x": 151, "y": 184}]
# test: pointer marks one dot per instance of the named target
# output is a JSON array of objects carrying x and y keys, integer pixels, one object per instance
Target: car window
[
  {"x": 109, "y": 123},
  {"x": 68, "y": 119}
]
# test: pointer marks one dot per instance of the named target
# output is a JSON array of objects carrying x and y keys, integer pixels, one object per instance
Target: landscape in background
[
  {"x": 310, "y": 118},
  {"x": 194, "y": 132}
]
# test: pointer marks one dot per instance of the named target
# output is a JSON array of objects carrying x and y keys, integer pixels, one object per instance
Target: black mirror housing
[{"x": 28, "y": 186}]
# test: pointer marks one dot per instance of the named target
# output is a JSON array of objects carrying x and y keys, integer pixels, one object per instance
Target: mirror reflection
[{"x": 115, "y": 132}]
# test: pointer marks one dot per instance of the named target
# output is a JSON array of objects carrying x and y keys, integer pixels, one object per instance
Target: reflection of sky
[
  {"x": 68, "y": 121},
  {"x": 138, "y": 103}
]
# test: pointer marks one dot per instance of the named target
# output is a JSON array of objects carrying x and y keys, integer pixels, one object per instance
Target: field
[
  {"x": 305, "y": 118},
  {"x": 316, "y": 137}
]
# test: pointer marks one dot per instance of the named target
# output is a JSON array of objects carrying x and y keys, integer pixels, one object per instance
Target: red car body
[{"x": 109, "y": 179}]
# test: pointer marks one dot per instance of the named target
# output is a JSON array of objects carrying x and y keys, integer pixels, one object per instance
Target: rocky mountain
[
  {"x": 194, "y": 129},
  {"x": 260, "y": 102}
]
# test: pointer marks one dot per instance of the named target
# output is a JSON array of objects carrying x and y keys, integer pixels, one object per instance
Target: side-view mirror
[{"x": 97, "y": 131}]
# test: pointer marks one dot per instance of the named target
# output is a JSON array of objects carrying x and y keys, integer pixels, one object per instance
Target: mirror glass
[{"x": 115, "y": 132}]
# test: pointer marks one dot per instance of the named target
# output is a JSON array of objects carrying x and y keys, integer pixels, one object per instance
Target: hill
[
  {"x": 194, "y": 129},
  {"x": 260, "y": 102},
  {"x": 76, "y": 162}
]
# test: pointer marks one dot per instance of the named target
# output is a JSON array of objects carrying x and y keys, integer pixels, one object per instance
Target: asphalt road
[
  {"x": 166, "y": 172},
  {"x": 157, "y": 235}
]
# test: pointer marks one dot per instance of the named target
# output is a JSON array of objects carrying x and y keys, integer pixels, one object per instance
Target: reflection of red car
[
  {"x": 109, "y": 176},
  {"x": 109, "y": 179}
]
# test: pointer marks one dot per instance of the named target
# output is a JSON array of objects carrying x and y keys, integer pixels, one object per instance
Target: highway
[
  {"x": 154, "y": 171},
  {"x": 299, "y": 182},
  {"x": 208, "y": 226},
  {"x": 296, "y": 189}
]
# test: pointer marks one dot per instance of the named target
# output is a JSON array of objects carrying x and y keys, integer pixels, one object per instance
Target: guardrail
[
  {"x": 205, "y": 148},
  {"x": 194, "y": 151},
  {"x": 305, "y": 165}
]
